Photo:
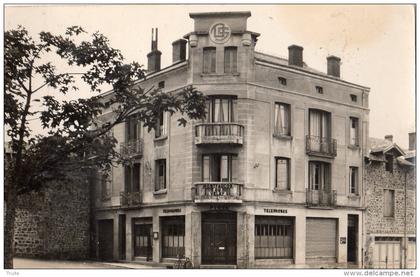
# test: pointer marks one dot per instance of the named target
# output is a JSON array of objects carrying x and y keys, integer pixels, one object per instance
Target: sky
[{"x": 376, "y": 43}]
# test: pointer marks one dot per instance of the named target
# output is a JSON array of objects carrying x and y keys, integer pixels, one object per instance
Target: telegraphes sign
[{"x": 219, "y": 32}]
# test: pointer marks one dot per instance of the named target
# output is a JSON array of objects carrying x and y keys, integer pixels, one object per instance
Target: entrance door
[
  {"x": 219, "y": 238},
  {"x": 352, "y": 238},
  {"x": 143, "y": 246},
  {"x": 121, "y": 235},
  {"x": 105, "y": 239}
]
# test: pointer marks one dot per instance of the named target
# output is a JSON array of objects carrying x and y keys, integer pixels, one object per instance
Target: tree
[{"x": 74, "y": 141}]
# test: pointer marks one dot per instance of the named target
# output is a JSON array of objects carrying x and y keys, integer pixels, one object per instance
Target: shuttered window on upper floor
[
  {"x": 231, "y": 59},
  {"x": 209, "y": 60}
]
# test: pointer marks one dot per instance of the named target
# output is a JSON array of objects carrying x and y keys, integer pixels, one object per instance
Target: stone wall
[{"x": 54, "y": 223}]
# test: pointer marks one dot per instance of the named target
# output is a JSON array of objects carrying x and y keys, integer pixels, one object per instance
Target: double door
[
  {"x": 143, "y": 241},
  {"x": 219, "y": 238}
]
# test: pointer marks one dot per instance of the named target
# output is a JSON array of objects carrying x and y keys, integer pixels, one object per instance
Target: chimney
[
  {"x": 296, "y": 55},
  {"x": 389, "y": 137},
  {"x": 333, "y": 66},
  {"x": 412, "y": 141},
  {"x": 153, "y": 58},
  {"x": 179, "y": 50}
]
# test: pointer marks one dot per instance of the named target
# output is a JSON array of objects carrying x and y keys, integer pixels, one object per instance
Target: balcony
[
  {"x": 217, "y": 192},
  {"x": 130, "y": 199},
  {"x": 321, "y": 146},
  {"x": 132, "y": 148},
  {"x": 321, "y": 199},
  {"x": 219, "y": 133}
]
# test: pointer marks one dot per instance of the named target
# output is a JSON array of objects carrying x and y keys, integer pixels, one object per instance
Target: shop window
[
  {"x": 354, "y": 131},
  {"x": 132, "y": 178},
  {"x": 389, "y": 202},
  {"x": 231, "y": 59},
  {"x": 282, "y": 174},
  {"x": 273, "y": 237},
  {"x": 281, "y": 119},
  {"x": 173, "y": 237},
  {"x": 209, "y": 60},
  {"x": 354, "y": 178},
  {"x": 160, "y": 182}
]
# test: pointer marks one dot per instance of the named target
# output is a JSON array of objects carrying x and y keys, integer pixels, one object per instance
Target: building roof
[{"x": 377, "y": 145}]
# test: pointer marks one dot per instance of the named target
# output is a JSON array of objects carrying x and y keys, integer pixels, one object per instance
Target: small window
[
  {"x": 161, "y": 125},
  {"x": 281, "y": 119},
  {"x": 319, "y": 89},
  {"x": 231, "y": 60},
  {"x": 282, "y": 174},
  {"x": 354, "y": 178},
  {"x": 354, "y": 131},
  {"x": 389, "y": 202},
  {"x": 161, "y": 84},
  {"x": 106, "y": 185},
  {"x": 389, "y": 165},
  {"x": 209, "y": 60},
  {"x": 353, "y": 97},
  {"x": 160, "y": 168},
  {"x": 282, "y": 81}
]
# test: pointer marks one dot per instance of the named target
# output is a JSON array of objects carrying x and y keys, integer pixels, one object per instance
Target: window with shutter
[
  {"x": 209, "y": 60},
  {"x": 354, "y": 177},
  {"x": 160, "y": 167},
  {"x": 354, "y": 136},
  {"x": 231, "y": 60},
  {"x": 282, "y": 174}
]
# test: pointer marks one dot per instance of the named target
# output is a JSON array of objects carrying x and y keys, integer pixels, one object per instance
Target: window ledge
[
  {"x": 219, "y": 75},
  {"x": 282, "y": 191},
  {"x": 283, "y": 137},
  {"x": 354, "y": 196},
  {"x": 353, "y": 147},
  {"x": 159, "y": 192},
  {"x": 160, "y": 138}
]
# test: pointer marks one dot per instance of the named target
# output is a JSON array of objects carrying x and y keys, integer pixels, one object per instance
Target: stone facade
[{"x": 55, "y": 222}]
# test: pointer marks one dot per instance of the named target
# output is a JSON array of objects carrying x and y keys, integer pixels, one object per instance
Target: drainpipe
[{"x": 405, "y": 218}]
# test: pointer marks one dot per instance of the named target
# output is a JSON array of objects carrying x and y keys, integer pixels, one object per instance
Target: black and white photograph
[{"x": 209, "y": 138}]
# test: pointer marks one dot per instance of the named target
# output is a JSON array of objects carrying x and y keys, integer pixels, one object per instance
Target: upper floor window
[
  {"x": 231, "y": 59},
  {"x": 389, "y": 165},
  {"x": 209, "y": 60},
  {"x": 319, "y": 89},
  {"x": 220, "y": 168},
  {"x": 282, "y": 119},
  {"x": 353, "y": 97},
  {"x": 319, "y": 123},
  {"x": 162, "y": 125},
  {"x": 221, "y": 109},
  {"x": 353, "y": 182},
  {"x": 282, "y": 174},
  {"x": 354, "y": 131},
  {"x": 132, "y": 178},
  {"x": 319, "y": 176},
  {"x": 389, "y": 202},
  {"x": 282, "y": 81},
  {"x": 106, "y": 185},
  {"x": 133, "y": 128},
  {"x": 160, "y": 179}
]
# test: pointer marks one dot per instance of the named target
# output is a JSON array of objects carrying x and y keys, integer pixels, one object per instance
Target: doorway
[
  {"x": 105, "y": 239},
  {"x": 121, "y": 236},
  {"x": 143, "y": 241},
  {"x": 218, "y": 238},
  {"x": 352, "y": 230}
]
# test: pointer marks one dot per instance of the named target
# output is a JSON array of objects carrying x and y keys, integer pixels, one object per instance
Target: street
[{"x": 22, "y": 263}]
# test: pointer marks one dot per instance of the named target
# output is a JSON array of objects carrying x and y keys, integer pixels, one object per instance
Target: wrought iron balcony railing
[
  {"x": 217, "y": 192},
  {"x": 132, "y": 148},
  {"x": 321, "y": 198},
  {"x": 321, "y": 146},
  {"x": 219, "y": 133},
  {"x": 130, "y": 199}
]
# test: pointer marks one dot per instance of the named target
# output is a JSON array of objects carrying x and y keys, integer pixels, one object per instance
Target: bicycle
[{"x": 182, "y": 262}]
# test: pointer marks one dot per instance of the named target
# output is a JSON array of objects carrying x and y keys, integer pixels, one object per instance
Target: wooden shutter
[
  {"x": 136, "y": 177},
  {"x": 321, "y": 238}
]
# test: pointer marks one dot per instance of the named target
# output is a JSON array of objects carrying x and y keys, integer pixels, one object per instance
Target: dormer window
[
  {"x": 231, "y": 59},
  {"x": 209, "y": 60},
  {"x": 389, "y": 166}
]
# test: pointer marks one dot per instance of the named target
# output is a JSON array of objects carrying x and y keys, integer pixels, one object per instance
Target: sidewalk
[{"x": 23, "y": 263}]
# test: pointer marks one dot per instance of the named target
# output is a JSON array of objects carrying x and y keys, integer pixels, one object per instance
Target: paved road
[{"x": 21, "y": 263}]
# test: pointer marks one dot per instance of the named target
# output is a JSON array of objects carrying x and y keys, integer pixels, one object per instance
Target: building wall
[{"x": 54, "y": 223}]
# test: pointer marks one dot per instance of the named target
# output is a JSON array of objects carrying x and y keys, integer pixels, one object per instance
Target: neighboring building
[
  {"x": 390, "y": 218},
  {"x": 272, "y": 177}
]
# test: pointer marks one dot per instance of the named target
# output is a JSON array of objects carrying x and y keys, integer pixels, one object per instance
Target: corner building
[{"x": 271, "y": 178}]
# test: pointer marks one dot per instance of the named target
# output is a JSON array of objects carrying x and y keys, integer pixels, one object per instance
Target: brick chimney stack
[
  {"x": 333, "y": 66},
  {"x": 153, "y": 58},
  {"x": 296, "y": 55}
]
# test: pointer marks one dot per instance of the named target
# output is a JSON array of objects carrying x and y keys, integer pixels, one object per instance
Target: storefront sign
[
  {"x": 219, "y": 32},
  {"x": 218, "y": 207},
  {"x": 167, "y": 211},
  {"x": 343, "y": 240},
  {"x": 275, "y": 211}
]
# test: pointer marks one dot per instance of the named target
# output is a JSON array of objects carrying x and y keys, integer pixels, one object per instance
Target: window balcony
[
  {"x": 219, "y": 133},
  {"x": 130, "y": 199},
  {"x": 321, "y": 199},
  {"x": 217, "y": 192},
  {"x": 321, "y": 146},
  {"x": 132, "y": 148}
]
